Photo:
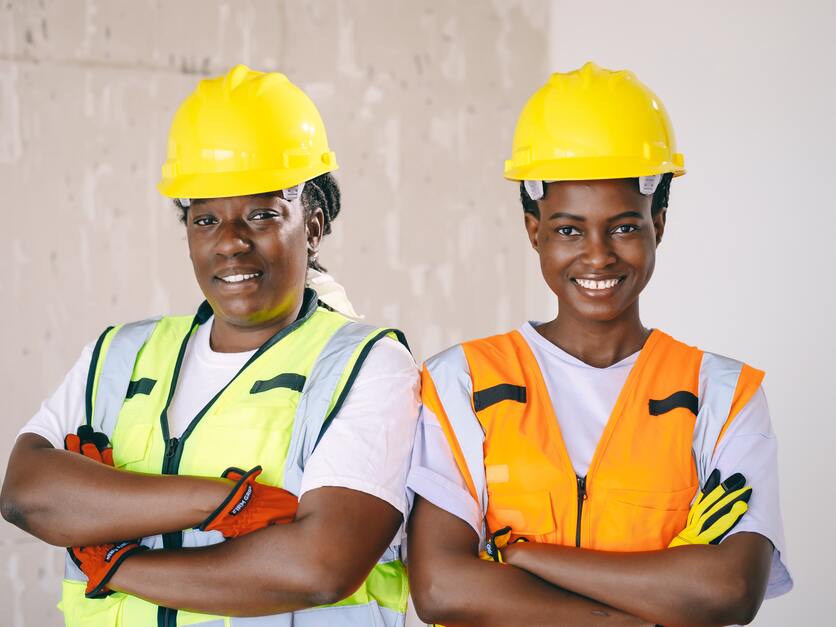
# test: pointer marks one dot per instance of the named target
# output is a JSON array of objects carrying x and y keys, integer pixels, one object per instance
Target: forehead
[
  {"x": 269, "y": 199},
  {"x": 595, "y": 198}
]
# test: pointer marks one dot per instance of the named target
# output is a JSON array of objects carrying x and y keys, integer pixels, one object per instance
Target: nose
[
  {"x": 233, "y": 239},
  {"x": 598, "y": 252}
]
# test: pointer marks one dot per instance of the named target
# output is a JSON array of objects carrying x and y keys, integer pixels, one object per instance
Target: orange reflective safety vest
[{"x": 492, "y": 402}]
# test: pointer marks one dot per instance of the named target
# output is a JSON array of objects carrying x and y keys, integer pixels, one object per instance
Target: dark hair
[
  {"x": 660, "y": 197},
  {"x": 321, "y": 192}
]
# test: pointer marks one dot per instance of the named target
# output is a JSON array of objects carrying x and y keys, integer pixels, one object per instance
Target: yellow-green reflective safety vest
[{"x": 272, "y": 413}]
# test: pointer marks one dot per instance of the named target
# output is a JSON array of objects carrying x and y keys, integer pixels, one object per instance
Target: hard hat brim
[
  {"x": 589, "y": 169},
  {"x": 230, "y": 184}
]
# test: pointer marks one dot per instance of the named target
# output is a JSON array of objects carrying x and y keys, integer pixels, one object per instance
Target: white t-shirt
[
  {"x": 366, "y": 448},
  {"x": 584, "y": 399}
]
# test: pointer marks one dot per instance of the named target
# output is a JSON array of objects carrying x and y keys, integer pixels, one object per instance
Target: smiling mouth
[
  {"x": 239, "y": 278},
  {"x": 590, "y": 284}
]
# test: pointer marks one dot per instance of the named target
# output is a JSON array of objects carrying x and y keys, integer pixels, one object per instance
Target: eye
[
  {"x": 264, "y": 214},
  {"x": 625, "y": 228},
  {"x": 205, "y": 220},
  {"x": 567, "y": 231}
]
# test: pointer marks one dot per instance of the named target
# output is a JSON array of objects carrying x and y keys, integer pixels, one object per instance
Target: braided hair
[
  {"x": 321, "y": 192},
  {"x": 659, "y": 202}
]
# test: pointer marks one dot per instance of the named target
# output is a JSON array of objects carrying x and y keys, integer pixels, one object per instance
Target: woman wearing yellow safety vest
[
  {"x": 222, "y": 424},
  {"x": 575, "y": 452}
]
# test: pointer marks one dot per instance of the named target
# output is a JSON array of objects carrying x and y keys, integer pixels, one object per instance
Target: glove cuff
[{"x": 118, "y": 554}]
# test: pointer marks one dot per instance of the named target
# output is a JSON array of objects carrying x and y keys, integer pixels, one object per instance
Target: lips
[
  {"x": 598, "y": 285},
  {"x": 234, "y": 276}
]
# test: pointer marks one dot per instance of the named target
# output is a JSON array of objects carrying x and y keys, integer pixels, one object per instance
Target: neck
[
  {"x": 228, "y": 337},
  {"x": 597, "y": 343}
]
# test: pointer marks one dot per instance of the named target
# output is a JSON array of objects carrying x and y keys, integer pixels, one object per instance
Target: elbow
[
  {"x": 738, "y": 601},
  {"x": 431, "y": 598},
  {"x": 14, "y": 509},
  {"x": 322, "y": 585}
]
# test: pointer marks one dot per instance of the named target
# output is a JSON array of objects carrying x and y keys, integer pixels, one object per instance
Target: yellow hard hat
[
  {"x": 590, "y": 124},
  {"x": 244, "y": 133}
]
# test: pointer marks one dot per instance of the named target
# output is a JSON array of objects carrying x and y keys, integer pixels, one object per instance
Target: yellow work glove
[
  {"x": 498, "y": 540},
  {"x": 718, "y": 509}
]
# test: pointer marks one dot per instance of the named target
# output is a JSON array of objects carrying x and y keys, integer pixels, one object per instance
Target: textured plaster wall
[{"x": 419, "y": 98}]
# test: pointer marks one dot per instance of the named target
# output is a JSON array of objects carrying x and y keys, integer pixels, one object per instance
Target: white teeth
[
  {"x": 597, "y": 285},
  {"x": 237, "y": 278}
]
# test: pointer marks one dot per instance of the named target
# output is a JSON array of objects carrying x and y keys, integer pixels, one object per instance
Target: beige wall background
[
  {"x": 746, "y": 268},
  {"x": 419, "y": 99}
]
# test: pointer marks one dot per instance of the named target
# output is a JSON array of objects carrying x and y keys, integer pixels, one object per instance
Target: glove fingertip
[
  {"x": 233, "y": 470},
  {"x": 712, "y": 482},
  {"x": 735, "y": 482}
]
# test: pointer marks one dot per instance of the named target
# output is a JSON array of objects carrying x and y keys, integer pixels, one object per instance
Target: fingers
[
  {"x": 724, "y": 506},
  {"x": 712, "y": 482},
  {"x": 730, "y": 520},
  {"x": 72, "y": 443},
  {"x": 90, "y": 450}
]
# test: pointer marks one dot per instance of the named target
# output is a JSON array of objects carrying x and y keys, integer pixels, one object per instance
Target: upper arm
[
  {"x": 750, "y": 447},
  {"x": 342, "y": 534}
]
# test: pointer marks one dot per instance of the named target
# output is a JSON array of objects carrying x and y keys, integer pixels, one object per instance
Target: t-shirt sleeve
[
  {"x": 63, "y": 412},
  {"x": 435, "y": 476},
  {"x": 749, "y": 446},
  {"x": 368, "y": 445}
]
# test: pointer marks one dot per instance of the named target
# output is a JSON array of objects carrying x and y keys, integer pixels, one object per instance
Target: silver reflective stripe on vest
[
  {"x": 317, "y": 394},
  {"x": 369, "y": 615},
  {"x": 117, "y": 368},
  {"x": 450, "y": 373},
  {"x": 718, "y": 380}
]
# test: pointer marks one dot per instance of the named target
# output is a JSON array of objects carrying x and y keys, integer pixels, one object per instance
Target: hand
[
  {"x": 92, "y": 444},
  {"x": 100, "y": 562},
  {"x": 250, "y": 505},
  {"x": 497, "y": 542},
  {"x": 718, "y": 509}
]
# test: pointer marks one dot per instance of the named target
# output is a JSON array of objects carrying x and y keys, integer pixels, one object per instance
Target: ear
[
  {"x": 659, "y": 224},
  {"x": 314, "y": 229},
  {"x": 532, "y": 225}
]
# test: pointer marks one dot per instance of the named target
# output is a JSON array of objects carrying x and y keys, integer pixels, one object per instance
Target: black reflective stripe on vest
[
  {"x": 683, "y": 399},
  {"x": 91, "y": 376},
  {"x": 289, "y": 380},
  {"x": 140, "y": 386},
  {"x": 498, "y": 393}
]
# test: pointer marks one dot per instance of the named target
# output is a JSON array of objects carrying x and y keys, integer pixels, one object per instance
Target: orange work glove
[
  {"x": 250, "y": 505},
  {"x": 100, "y": 562},
  {"x": 92, "y": 444}
]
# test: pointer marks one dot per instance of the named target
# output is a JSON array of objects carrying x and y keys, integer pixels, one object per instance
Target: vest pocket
[
  {"x": 130, "y": 444},
  {"x": 640, "y": 520},
  {"x": 528, "y": 514},
  {"x": 82, "y": 612}
]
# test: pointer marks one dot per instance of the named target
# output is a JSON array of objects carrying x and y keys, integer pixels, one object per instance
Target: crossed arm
[
  {"x": 546, "y": 584},
  {"x": 324, "y": 555}
]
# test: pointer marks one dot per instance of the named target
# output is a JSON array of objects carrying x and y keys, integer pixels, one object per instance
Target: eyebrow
[
  {"x": 568, "y": 216},
  {"x": 572, "y": 216}
]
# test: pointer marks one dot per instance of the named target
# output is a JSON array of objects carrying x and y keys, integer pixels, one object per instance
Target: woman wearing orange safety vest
[
  {"x": 582, "y": 456},
  {"x": 259, "y": 447}
]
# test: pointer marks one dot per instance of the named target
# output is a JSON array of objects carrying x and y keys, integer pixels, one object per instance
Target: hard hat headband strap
[
  {"x": 290, "y": 194},
  {"x": 647, "y": 186}
]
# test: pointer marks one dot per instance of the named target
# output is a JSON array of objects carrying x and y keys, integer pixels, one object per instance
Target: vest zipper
[
  {"x": 167, "y": 617},
  {"x": 581, "y": 499}
]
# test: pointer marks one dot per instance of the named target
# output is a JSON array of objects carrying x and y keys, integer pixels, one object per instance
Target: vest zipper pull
[
  {"x": 172, "y": 447},
  {"x": 581, "y": 499}
]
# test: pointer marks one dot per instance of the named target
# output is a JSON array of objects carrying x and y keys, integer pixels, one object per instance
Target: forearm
[
  {"x": 51, "y": 493},
  {"x": 506, "y": 596},
  {"x": 691, "y": 585},
  {"x": 320, "y": 558}
]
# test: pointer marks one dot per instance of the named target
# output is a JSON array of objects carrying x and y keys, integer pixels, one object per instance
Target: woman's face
[
  {"x": 250, "y": 255},
  {"x": 597, "y": 244}
]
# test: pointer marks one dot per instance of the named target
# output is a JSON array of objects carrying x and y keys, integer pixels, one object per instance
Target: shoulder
[{"x": 388, "y": 358}]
